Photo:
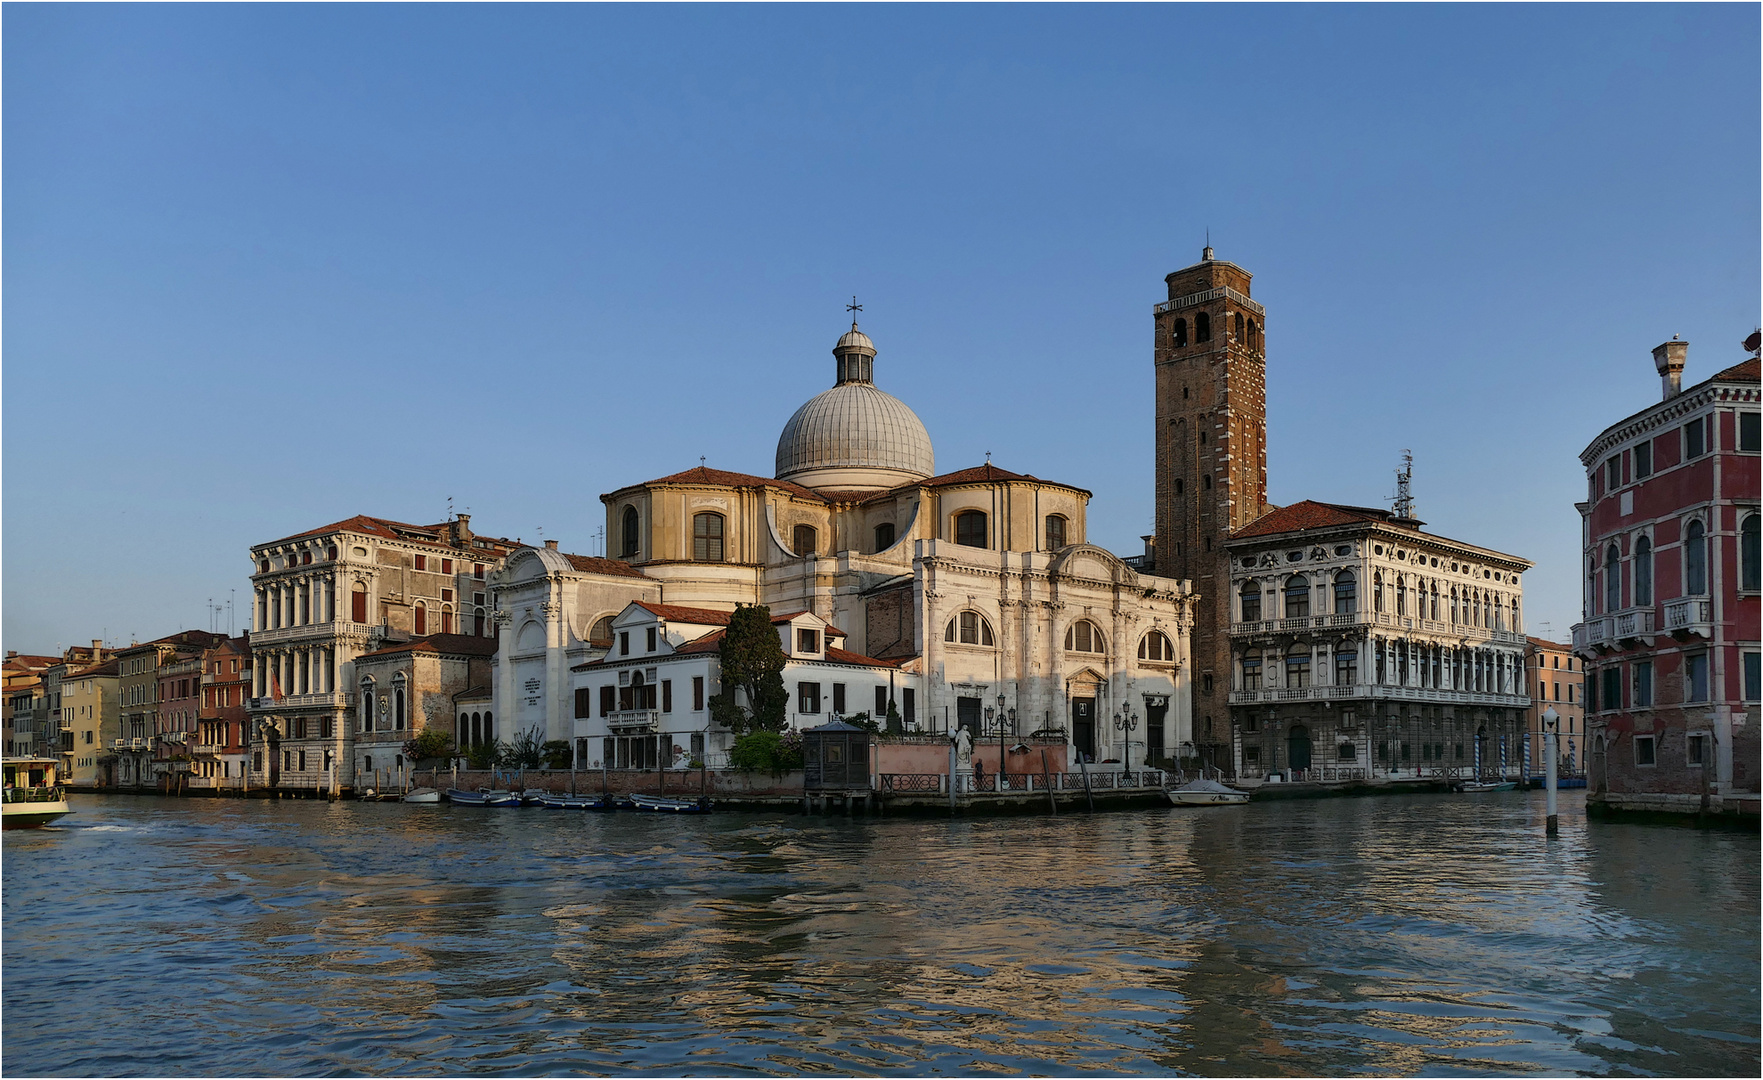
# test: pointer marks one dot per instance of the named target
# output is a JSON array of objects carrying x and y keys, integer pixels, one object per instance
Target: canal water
[{"x": 1418, "y": 934}]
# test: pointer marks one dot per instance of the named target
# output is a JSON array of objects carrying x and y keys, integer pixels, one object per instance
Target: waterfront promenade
[{"x": 1412, "y": 934}]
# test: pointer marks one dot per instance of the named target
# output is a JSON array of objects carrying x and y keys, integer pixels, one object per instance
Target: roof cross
[{"x": 853, "y": 307}]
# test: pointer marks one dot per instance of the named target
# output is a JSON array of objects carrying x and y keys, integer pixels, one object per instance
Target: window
[
  {"x": 1643, "y": 684},
  {"x": 1297, "y": 597},
  {"x": 1083, "y": 636},
  {"x": 1750, "y": 571},
  {"x": 1156, "y": 646},
  {"x": 884, "y": 536},
  {"x": 1645, "y": 753},
  {"x": 909, "y": 705},
  {"x": 624, "y": 643},
  {"x": 1346, "y": 593},
  {"x": 1202, "y": 327},
  {"x": 1643, "y": 460},
  {"x": 1252, "y": 669},
  {"x": 1695, "y": 560},
  {"x": 1753, "y": 689},
  {"x": 358, "y": 603},
  {"x": 808, "y": 697},
  {"x": 1055, "y": 532},
  {"x": 600, "y": 635},
  {"x": 608, "y": 699},
  {"x": 1611, "y": 694},
  {"x": 1613, "y": 472},
  {"x": 477, "y": 571},
  {"x": 807, "y": 641},
  {"x": 1695, "y": 677},
  {"x": 584, "y": 702},
  {"x": 632, "y": 534},
  {"x": 806, "y": 541},
  {"x": 1695, "y": 439},
  {"x": 1298, "y": 669},
  {"x": 1251, "y": 755},
  {"x": 707, "y": 537},
  {"x": 970, "y": 528},
  {"x": 650, "y": 639},
  {"x": 1346, "y": 667},
  {"x": 1612, "y": 578},
  {"x": 1643, "y": 572},
  {"x": 1180, "y": 333},
  {"x": 1750, "y": 438},
  {"x": 1401, "y": 595},
  {"x": 1695, "y": 750},
  {"x": 697, "y": 693},
  {"x": 1239, "y": 322},
  {"x": 446, "y": 620},
  {"x": 666, "y": 695},
  {"x": 1347, "y": 752},
  {"x": 1377, "y": 594},
  {"x": 969, "y": 629},
  {"x": 1251, "y": 601},
  {"x": 839, "y": 698},
  {"x": 420, "y": 619},
  {"x": 421, "y": 562},
  {"x": 446, "y": 566}
]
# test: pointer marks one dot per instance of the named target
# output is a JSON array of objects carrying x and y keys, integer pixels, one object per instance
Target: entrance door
[
  {"x": 1083, "y": 726},
  {"x": 1298, "y": 747},
  {"x": 1154, "y": 742},
  {"x": 967, "y": 713}
]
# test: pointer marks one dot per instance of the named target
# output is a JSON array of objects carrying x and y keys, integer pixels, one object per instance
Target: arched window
[
  {"x": 1055, "y": 531},
  {"x": 1435, "y": 602},
  {"x": 969, "y": 628},
  {"x": 1084, "y": 636},
  {"x": 1252, "y": 669},
  {"x": 1643, "y": 572},
  {"x": 707, "y": 537},
  {"x": 1157, "y": 647},
  {"x": 446, "y": 619},
  {"x": 970, "y": 528},
  {"x": 1254, "y": 336},
  {"x": 1202, "y": 327},
  {"x": 600, "y": 635},
  {"x": 1250, "y": 598},
  {"x": 367, "y": 703},
  {"x": 477, "y": 729},
  {"x": 398, "y": 713},
  {"x": 807, "y": 540},
  {"x": 1612, "y": 578},
  {"x": 1181, "y": 334},
  {"x": 479, "y": 625},
  {"x": 1297, "y": 597},
  {"x": 1453, "y": 603},
  {"x": 884, "y": 536},
  {"x": 1239, "y": 320},
  {"x": 462, "y": 731},
  {"x": 1377, "y": 591},
  {"x": 1346, "y": 593},
  {"x": 1401, "y": 595},
  {"x": 1695, "y": 560},
  {"x": 358, "y": 603},
  {"x": 1206, "y": 482},
  {"x": 632, "y": 533},
  {"x": 1750, "y": 571},
  {"x": 420, "y": 619}
]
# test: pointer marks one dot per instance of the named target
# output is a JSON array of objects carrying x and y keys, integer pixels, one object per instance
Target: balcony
[
  {"x": 1690, "y": 616},
  {"x": 633, "y": 721},
  {"x": 1300, "y": 624},
  {"x": 338, "y": 628},
  {"x": 1591, "y": 634},
  {"x": 335, "y": 699},
  {"x": 1633, "y": 624},
  {"x": 1273, "y": 695}
]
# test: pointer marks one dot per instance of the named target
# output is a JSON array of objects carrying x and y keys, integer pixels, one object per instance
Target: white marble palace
[{"x": 975, "y": 592}]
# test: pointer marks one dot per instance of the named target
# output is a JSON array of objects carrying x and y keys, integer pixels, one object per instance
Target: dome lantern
[{"x": 854, "y": 436}]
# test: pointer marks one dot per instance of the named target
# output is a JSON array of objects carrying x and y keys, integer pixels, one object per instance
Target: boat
[
  {"x": 575, "y": 802},
  {"x": 533, "y": 797},
  {"x": 34, "y": 795},
  {"x": 482, "y": 797},
  {"x": 422, "y": 795},
  {"x": 667, "y": 805},
  {"x": 1488, "y": 785},
  {"x": 1206, "y": 793}
]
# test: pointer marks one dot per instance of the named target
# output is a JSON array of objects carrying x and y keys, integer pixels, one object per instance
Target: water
[{"x": 1397, "y": 935}]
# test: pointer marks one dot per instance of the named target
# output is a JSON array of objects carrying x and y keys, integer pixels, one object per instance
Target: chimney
[
  {"x": 551, "y": 544},
  {"x": 460, "y": 527},
  {"x": 1668, "y": 358},
  {"x": 97, "y": 647}
]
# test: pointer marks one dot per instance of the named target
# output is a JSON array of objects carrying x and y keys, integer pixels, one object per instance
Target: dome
[{"x": 854, "y": 435}]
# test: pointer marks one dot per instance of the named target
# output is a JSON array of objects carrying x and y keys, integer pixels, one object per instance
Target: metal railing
[{"x": 983, "y": 783}]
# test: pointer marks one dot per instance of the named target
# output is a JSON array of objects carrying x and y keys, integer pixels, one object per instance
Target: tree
[
  {"x": 752, "y": 662},
  {"x": 556, "y": 753},
  {"x": 486, "y": 755},
  {"x": 429, "y": 744},
  {"x": 527, "y": 751}
]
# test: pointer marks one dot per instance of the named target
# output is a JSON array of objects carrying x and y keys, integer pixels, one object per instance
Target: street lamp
[
  {"x": 1125, "y": 719},
  {"x": 1551, "y": 720}
]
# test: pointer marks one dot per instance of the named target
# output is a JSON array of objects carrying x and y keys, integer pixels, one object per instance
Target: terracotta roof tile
[
  {"x": 724, "y": 478},
  {"x": 1743, "y": 371},
  {"x": 455, "y": 644},
  {"x": 1302, "y": 516},
  {"x": 843, "y": 656},
  {"x": 108, "y": 667},
  {"x": 678, "y": 613},
  {"x": 387, "y": 529},
  {"x": 590, "y": 564}
]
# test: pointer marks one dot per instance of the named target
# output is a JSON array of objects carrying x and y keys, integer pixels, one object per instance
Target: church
[{"x": 973, "y": 594}]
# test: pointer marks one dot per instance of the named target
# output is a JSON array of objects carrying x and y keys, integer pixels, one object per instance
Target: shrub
[
  {"x": 431, "y": 743},
  {"x": 767, "y": 751}
]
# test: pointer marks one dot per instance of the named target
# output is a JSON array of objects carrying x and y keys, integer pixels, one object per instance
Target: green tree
[
  {"x": 752, "y": 662},
  {"x": 556, "y": 753},
  {"x": 767, "y": 751},
  {"x": 431, "y": 743},
  {"x": 527, "y": 751},
  {"x": 486, "y": 755}
]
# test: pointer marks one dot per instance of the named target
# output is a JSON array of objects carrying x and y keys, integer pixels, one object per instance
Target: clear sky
[{"x": 267, "y": 267}]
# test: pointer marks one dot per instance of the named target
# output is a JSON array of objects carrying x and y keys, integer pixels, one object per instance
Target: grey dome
[{"x": 855, "y": 426}]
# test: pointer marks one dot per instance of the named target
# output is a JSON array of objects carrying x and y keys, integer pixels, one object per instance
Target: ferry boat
[{"x": 34, "y": 795}]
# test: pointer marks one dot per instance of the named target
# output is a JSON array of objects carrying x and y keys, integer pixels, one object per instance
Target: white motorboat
[
  {"x": 1473, "y": 786},
  {"x": 422, "y": 795},
  {"x": 1206, "y": 793},
  {"x": 34, "y": 795}
]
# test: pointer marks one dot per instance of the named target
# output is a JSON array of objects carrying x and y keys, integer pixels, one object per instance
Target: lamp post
[
  {"x": 1551, "y": 719},
  {"x": 1126, "y": 720}
]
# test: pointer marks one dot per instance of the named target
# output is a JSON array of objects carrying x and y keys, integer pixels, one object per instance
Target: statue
[{"x": 963, "y": 748}]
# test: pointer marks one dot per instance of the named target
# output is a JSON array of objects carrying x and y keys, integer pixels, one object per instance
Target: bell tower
[{"x": 1209, "y": 355}]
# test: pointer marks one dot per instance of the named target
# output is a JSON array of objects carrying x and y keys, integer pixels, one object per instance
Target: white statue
[{"x": 963, "y": 748}]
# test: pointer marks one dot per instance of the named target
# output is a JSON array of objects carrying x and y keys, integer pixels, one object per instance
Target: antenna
[
  {"x": 1404, "y": 507},
  {"x": 449, "y": 508}
]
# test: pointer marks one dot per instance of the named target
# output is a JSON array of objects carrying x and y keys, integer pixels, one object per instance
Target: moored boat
[
  {"x": 574, "y": 802},
  {"x": 667, "y": 805},
  {"x": 34, "y": 795},
  {"x": 1488, "y": 785},
  {"x": 482, "y": 797},
  {"x": 423, "y": 795},
  {"x": 1206, "y": 793}
]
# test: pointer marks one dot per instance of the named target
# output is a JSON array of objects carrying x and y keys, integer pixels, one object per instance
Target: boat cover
[{"x": 1211, "y": 787}]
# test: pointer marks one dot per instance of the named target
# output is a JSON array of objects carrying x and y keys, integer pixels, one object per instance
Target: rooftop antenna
[
  {"x": 229, "y": 612},
  {"x": 449, "y": 508},
  {"x": 1404, "y": 507},
  {"x": 853, "y": 307},
  {"x": 600, "y": 540},
  {"x": 1206, "y": 255}
]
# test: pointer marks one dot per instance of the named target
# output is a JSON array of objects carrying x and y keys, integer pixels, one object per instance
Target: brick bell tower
[{"x": 1211, "y": 461}]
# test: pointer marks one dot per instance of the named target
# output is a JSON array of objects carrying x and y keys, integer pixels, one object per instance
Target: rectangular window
[
  {"x": 666, "y": 695},
  {"x": 1695, "y": 750},
  {"x": 651, "y": 639},
  {"x": 1613, "y": 472},
  {"x": 1645, "y": 751},
  {"x": 1753, "y": 676},
  {"x": 1297, "y": 671},
  {"x": 1695, "y": 442},
  {"x": 477, "y": 571},
  {"x": 421, "y": 562},
  {"x": 1695, "y": 677},
  {"x": 1611, "y": 692},
  {"x": 624, "y": 643},
  {"x": 808, "y": 697},
  {"x": 1569, "y": 693},
  {"x": 1346, "y": 667},
  {"x": 909, "y": 705},
  {"x": 446, "y": 566},
  {"x": 1643, "y": 684},
  {"x": 583, "y": 702},
  {"x": 1750, "y": 439},
  {"x": 608, "y": 700},
  {"x": 839, "y": 698},
  {"x": 807, "y": 641},
  {"x": 881, "y": 704},
  {"x": 697, "y": 693},
  {"x": 1643, "y": 460}
]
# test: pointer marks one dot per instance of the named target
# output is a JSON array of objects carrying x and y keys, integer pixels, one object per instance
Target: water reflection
[{"x": 1398, "y": 935}]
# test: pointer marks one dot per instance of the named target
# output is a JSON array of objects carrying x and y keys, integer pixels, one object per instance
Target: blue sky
[{"x": 267, "y": 267}]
